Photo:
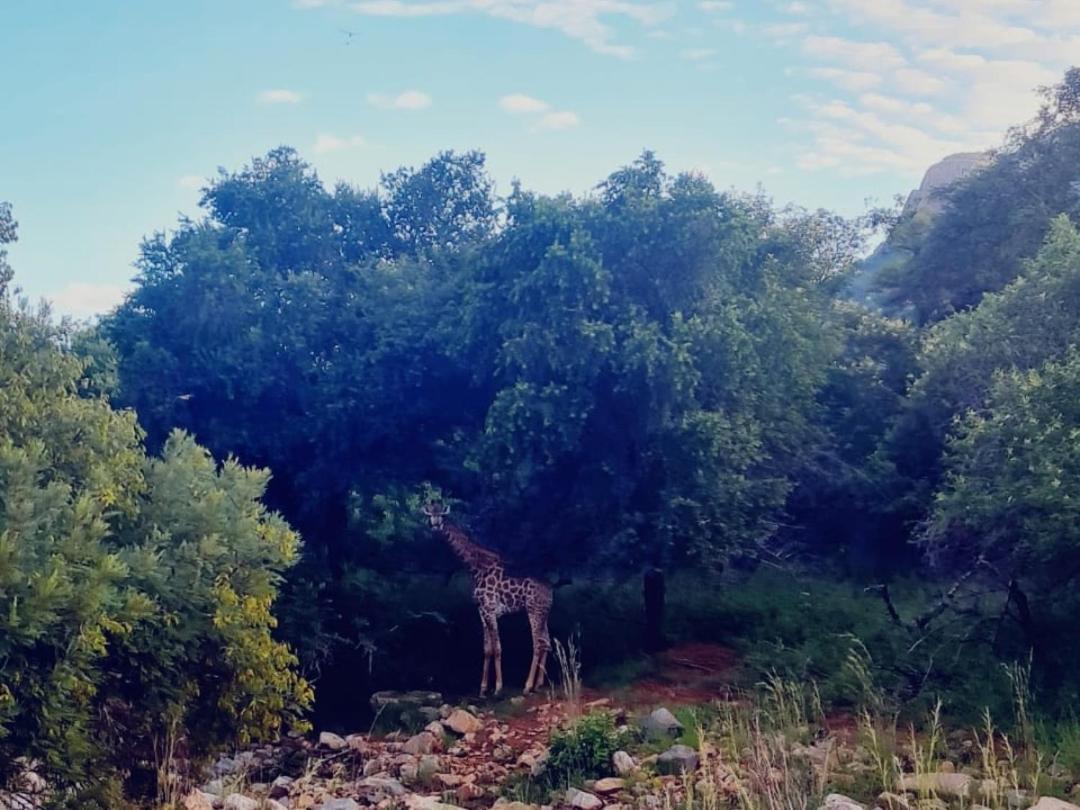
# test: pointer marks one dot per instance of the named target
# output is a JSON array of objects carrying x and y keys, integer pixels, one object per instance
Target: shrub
[
  {"x": 135, "y": 592},
  {"x": 583, "y": 749}
]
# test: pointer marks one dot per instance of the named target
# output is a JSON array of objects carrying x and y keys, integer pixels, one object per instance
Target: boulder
[
  {"x": 280, "y": 787},
  {"x": 613, "y": 785},
  {"x": 1050, "y": 803},
  {"x": 662, "y": 723},
  {"x": 335, "y": 742},
  {"x": 1017, "y": 799},
  {"x": 838, "y": 801},
  {"x": 382, "y": 785},
  {"x": 428, "y": 803},
  {"x": 422, "y": 743},
  {"x": 952, "y": 785},
  {"x": 339, "y": 804},
  {"x": 582, "y": 800},
  {"x": 197, "y": 800},
  {"x": 677, "y": 759},
  {"x": 427, "y": 767},
  {"x": 238, "y": 801},
  {"x": 623, "y": 762},
  {"x": 462, "y": 722}
]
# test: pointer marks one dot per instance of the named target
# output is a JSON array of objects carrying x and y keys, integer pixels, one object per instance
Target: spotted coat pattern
[{"x": 496, "y": 595}]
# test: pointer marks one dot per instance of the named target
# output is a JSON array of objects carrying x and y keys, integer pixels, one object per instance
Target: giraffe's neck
[{"x": 475, "y": 557}]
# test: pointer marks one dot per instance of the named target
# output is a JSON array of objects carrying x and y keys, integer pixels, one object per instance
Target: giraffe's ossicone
[{"x": 496, "y": 595}]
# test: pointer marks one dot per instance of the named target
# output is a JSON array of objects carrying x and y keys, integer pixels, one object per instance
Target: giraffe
[{"x": 496, "y": 595}]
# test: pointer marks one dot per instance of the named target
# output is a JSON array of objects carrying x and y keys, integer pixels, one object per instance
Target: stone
[
  {"x": 932, "y": 803},
  {"x": 952, "y": 785},
  {"x": 623, "y": 762},
  {"x": 238, "y": 801},
  {"x": 582, "y": 800},
  {"x": 280, "y": 787},
  {"x": 677, "y": 759},
  {"x": 502, "y": 753},
  {"x": 334, "y": 742},
  {"x": 215, "y": 787},
  {"x": 1050, "y": 803},
  {"x": 946, "y": 766},
  {"x": 468, "y": 792},
  {"x": 503, "y": 804},
  {"x": 382, "y": 784},
  {"x": 462, "y": 722},
  {"x": 422, "y": 743},
  {"x": 198, "y": 800},
  {"x": 427, "y": 767},
  {"x": 339, "y": 804},
  {"x": 613, "y": 784},
  {"x": 428, "y": 803},
  {"x": 450, "y": 780},
  {"x": 893, "y": 801},
  {"x": 662, "y": 723},
  {"x": 838, "y": 801}
]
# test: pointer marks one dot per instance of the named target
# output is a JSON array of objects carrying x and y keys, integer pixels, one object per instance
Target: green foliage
[
  {"x": 134, "y": 591},
  {"x": 582, "y": 750}
]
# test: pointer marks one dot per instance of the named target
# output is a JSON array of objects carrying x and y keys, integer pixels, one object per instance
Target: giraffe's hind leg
[
  {"x": 541, "y": 645},
  {"x": 491, "y": 631}
]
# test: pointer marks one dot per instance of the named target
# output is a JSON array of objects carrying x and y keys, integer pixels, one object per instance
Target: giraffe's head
[{"x": 436, "y": 513}]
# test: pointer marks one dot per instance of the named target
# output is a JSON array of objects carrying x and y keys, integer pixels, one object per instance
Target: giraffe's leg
[
  {"x": 538, "y": 626},
  {"x": 497, "y": 650},
  {"x": 488, "y": 651},
  {"x": 543, "y": 646}
]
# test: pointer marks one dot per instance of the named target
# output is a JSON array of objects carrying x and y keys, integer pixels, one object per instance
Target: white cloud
[
  {"x": 697, "y": 54},
  {"x": 853, "y": 80},
  {"x": 583, "y": 20},
  {"x": 870, "y": 56},
  {"x": 918, "y": 82},
  {"x": 521, "y": 103},
  {"x": 328, "y": 142},
  {"x": 797, "y": 8},
  {"x": 82, "y": 299},
  {"x": 562, "y": 119},
  {"x": 409, "y": 100},
  {"x": 192, "y": 182},
  {"x": 279, "y": 96}
]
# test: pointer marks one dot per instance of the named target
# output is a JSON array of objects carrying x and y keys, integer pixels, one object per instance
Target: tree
[
  {"x": 135, "y": 592},
  {"x": 8, "y": 234}
]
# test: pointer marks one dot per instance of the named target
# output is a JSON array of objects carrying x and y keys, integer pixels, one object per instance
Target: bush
[
  {"x": 582, "y": 750},
  {"x": 135, "y": 592}
]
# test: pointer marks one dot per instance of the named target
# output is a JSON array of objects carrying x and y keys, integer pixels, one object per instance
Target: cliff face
[{"x": 928, "y": 197}]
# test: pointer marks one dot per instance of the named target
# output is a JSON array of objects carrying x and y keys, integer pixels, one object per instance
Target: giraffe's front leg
[{"x": 497, "y": 650}]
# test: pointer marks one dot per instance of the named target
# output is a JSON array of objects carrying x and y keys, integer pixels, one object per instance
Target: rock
[
  {"x": 427, "y": 767},
  {"x": 677, "y": 759},
  {"x": 932, "y": 803},
  {"x": 198, "y": 800},
  {"x": 469, "y": 792},
  {"x": 215, "y": 787},
  {"x": 623, "y": 762},
  {"x": 1050, "y": 803},
  {"x": 462, "y": 722},
  {"x": 613, "y": 785},
  {"x": 503, "y": 804},
  {"x": 339, "y": 804},
  {"x": 410, "y": 710},
  {"x": 946, "y": 767},
  {"x": 953, "y": 785},
  {"x": 930, "y": 196},
  {"x": 238, "y": 801},
  {"x": 662, "y": 723},
  {"x": 450, "y": 780},
  {"x": 280, "y": 787},
  {"x": 502, "y": 753},
  {"x": 334, "y": 742},
  {"x": 582, "y": 800},
  {"x": 422, "y": 743},
  {"x": 428, "y": 803},
  {"x": 382, "y": 784},
  {"x": 838, "y": 801}
]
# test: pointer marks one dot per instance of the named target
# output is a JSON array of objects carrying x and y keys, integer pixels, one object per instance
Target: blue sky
[{"x": 115, "y": 112}]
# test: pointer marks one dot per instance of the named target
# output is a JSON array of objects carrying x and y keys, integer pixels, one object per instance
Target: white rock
[
  {"x": 582, "y": 800},
  {"x": 238, "y": 801},
  {"x": 462, "y": 722},
  {"x": 334, "y": 742},
  {"x": 837, "y": 801},
  {"x": 1050, "y": 803},
  {"x": 623, "y": 762}
]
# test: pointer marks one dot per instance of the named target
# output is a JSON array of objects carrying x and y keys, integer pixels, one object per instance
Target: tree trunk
[{"x": 653, "y": 592}]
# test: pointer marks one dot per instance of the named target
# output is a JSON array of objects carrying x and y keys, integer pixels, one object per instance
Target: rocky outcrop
[{"x": 929, "y": 197}]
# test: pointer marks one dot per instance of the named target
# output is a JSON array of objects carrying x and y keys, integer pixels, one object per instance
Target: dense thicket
[{"x": 135, "y": 591}]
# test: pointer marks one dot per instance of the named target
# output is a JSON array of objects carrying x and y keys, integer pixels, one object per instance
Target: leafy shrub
[
  {"x": 135, "y": 592},
  {"x": 583, "y": 749}
]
